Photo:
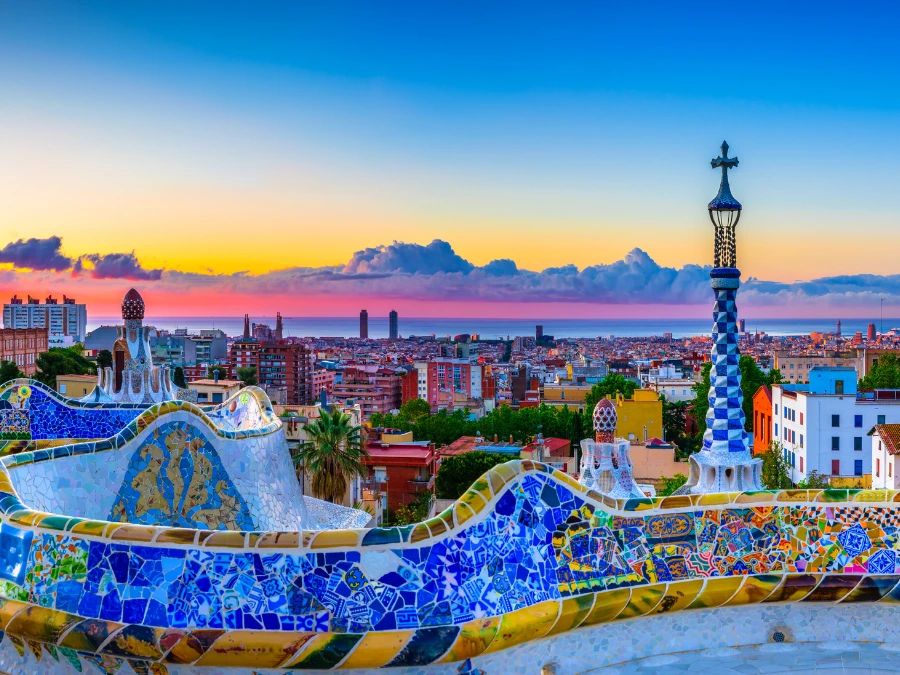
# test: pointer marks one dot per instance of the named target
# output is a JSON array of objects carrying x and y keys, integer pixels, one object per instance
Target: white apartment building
[
  {"x": 885, "y": 453},
  {"x": 61, "y": 319},
  {"x": 823, "y": 426}
]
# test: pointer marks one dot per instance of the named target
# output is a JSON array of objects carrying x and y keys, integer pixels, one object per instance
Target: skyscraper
[
  {"x": 392, "y": 325},
  {"x": 871, "y": 335},
  {"x": 539, "y": 332},
  {"x": 838, "y": 333},
  {"x": 364, "y": 325}
]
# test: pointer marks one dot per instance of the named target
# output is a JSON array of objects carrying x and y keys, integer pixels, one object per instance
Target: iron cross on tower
[{"x": 725, "y": 212}]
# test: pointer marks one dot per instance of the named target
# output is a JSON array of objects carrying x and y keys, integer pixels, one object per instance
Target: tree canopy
[
  {"x": 248, "y": 376},
  {"x": 333, "y": 456},
  {"x": 752, "y": 378},
  {"x": 9, "y": 371},
  {"x": 609, "y": 386},
  {"x": 178, "y": 377},
  {"x": 62, "y": 361},
  {"x": 776, "y": 472},
  {"x": 104, "y": 359},
  {"x": 884, "y": 374},
  {"x": 458, "y": 472}
]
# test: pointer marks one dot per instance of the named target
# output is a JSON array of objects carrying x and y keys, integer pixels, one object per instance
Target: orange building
[{"x": 762, "y": 419}]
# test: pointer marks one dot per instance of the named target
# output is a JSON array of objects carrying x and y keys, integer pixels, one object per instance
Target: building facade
[
  {"x": 67, "y": 318},
  {"x": 375, "y": 392},
  {"x": 22, "y": 346},
  {"x": 762, "y": 419},
  {"x": 823, "y": 426},
  {"x": 280, "y": 366}
]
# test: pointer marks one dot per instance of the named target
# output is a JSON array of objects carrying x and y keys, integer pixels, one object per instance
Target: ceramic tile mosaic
[{"x": 183, "y": 544}]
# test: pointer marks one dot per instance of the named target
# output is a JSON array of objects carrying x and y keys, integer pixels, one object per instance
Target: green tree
[
  {"x": 884, "y": 374},
  {"x": 609, "y": 386},
  {"x": 333, "y": 456},
  {"x": 9, "y": 371},
  {"x": 104, "y": 359},
  {"x": 752, "y": 378},
  {"x": 222, "y": 370},
  {"x": 671, "y": 484},
  {"x": 248, "y": 376},
  {"x": 415, "y": 408},
  {"x": 814, "y": 480},
  {"x": 178, "y": 377},
  {"x": 776, "y": 472},
  {"x": 458, "y": 472},
  {"x": 414, "y": 512},
  {"x": 62, "y": 361}
]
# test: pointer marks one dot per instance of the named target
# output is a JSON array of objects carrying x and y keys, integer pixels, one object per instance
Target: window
[
  {"x": 793, "y": 436},
  {"x": 776, "y": 408},
  {"x": 881, "y": 419},
  {"x": 62, "y": 389},
  {"x": 877, "y": 466},
  {"x": 217, "y": 397},
  {"x": 801, "y": 465},
  {"x": 857, "y": 421},
  {"x": 801, "y": 418},
  {"x": 857, "y": 443},
  {"x": 776, "y": 431},
  {"x": 857, "y": 467},
  {"x": 890, "y": 469},
  {"x": 793, "y": 459},
  {"x": 835, "y": 442},
  {"x": 801, "y": 440},
  {"x": 835, "y": 467},
  {"x": 838, "y": 386},
  {"x": 835, "y": 420}
]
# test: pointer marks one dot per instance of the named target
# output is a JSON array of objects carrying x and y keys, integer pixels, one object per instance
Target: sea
[{"x": 501, "y": 328}]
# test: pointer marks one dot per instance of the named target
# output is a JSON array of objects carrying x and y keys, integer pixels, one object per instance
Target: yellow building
[
  {"x": 640, "y": 417},
  {"x": 75, "y": 386},
  {"x": 566, "y": 395}
]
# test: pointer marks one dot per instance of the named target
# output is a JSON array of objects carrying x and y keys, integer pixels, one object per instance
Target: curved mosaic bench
[{"x": 527, "y": 553}]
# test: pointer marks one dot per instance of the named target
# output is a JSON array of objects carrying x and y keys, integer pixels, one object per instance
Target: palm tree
[{"x": 334, "y": 454}]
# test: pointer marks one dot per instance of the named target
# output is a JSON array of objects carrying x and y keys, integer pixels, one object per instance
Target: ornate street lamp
[{"x": 725, "y": 212}]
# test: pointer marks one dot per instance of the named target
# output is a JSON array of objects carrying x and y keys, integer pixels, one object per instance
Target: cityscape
[{"x": 642, "y": 422}]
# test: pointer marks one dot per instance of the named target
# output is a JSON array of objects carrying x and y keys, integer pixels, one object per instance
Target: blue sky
[{"x": 550, "y": 136}]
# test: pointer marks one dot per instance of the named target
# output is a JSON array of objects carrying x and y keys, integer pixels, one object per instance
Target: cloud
[
  {"x": 438, "y": 256},
  {"x": 36, "y": 254},
  {"x": 435, "y": 272},
  {"x": 114, "y": 266}
]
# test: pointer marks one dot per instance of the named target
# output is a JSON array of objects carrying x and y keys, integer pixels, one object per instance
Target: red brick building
[
  {"x": 400, "y": 471},
  {"x": 279, "y": 364},
  {"x": 409, "y": 385},
  {"x": 375, "y": 392},
  {"x": 22, "y": 346}
]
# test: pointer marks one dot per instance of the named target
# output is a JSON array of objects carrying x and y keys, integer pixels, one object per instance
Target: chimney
[
  {"x": 496, "y": 438},
  {"x": 216, "y": 375},
  {"x": 510, "y": 439}
]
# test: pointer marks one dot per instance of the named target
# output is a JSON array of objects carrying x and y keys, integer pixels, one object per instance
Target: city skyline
[{"x": 305, "y": 160}]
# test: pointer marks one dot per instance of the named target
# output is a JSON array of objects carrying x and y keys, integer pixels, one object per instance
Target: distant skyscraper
[
  {"x": 392, "y": 325},
  {"x": 838, "y": 332},
  {"x": 279, "y": 327},
  {"x": 742, "y": 325},
  {"x": 246, "y": 326},
  {"x": 538, "y": 332},
  {"x": 364, "y": 325},
  {"x": 872, "y": 334}
]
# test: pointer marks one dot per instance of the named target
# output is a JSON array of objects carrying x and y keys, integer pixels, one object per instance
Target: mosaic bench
[{"x": 166, "y": 585}]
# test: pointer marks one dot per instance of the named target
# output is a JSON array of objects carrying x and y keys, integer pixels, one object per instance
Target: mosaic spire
[{"x": 725, "y": 462}]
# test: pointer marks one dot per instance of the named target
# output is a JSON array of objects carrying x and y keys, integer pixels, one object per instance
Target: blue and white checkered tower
[{"x": 725, "y": 463}]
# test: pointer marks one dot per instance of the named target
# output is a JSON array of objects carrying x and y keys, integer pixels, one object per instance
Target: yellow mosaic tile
[
  {"x": 254, "y": 648},
  {"x": 496, "y": 480},
  {"x": 474, "y": 637},
  {"x": 41, "y": 623},
  {"x": 716, "y": 592},
  {"x": 607, "y": 606},
  {"x": 873, "y": 496},
  {"x": 714, "y": 499},
  {"x": 419, "y": 533},
  {"x": 376, "y": 649},
  {"x": 678, "y": 595},
  {"x": 335, "y": 538},
  {"x": 507, "y": 472},
  {"x": 462, "y": 513},
  {"x": 644, "y": 600},
  {"x": 92, "y": 528},
  {"x": 473, "y": 500},
  {"x": 524, "y": 625},
  {"x": 226, "y": 539},
  {"x": 8, "y": 609},
  {"x": 176, "y": 535},
  {"x": 676, "y": 502},
  {"x": 755, "y": 589},
  {"x": 572, "y": 613},
  {"x": 133, "y": 533},
  {"x": 794, "y": 587}
]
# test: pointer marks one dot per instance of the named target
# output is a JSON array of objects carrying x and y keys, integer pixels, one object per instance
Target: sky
[{"x": 447, "y": 159}]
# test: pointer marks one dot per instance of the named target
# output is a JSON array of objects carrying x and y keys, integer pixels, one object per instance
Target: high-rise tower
[
  {"x": 725, "y": 463},
  {"x": 393, "y": 332},
  {"x": 364, "y": 324}
]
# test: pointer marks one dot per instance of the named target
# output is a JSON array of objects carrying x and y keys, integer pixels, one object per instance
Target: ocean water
[{"x": 501, "y": 328}]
